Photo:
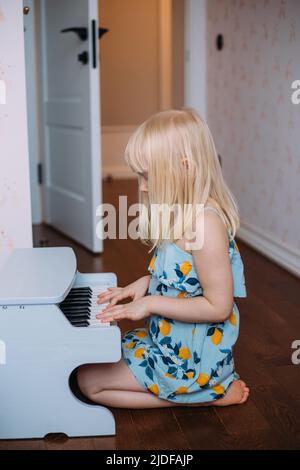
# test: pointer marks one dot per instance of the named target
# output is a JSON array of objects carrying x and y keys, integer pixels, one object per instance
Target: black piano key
[
  {"x": 76, "y": 303},
  {"x": 79, "y": 298},
  {"x": 76, "y": 312},
  {"x": 75, "y": 308},
  {"x": 77, "y": 289},
  {"x": 70, "y": 316},
  {"x": 83, "y": 306},
  {"x": 74, "y": 299},
  {"x": 80, "y": 290},
  {"x": 85, "y": 323},
  {"x": 79, "y": 294},
  {"x": 75, "y": 321},
  {"x": 72, "y": 311}
]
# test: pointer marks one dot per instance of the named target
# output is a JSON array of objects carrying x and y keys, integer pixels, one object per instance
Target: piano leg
[{"x": 69, "y": 416}]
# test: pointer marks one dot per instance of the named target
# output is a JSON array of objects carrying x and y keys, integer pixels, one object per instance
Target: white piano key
[
  {"x": 98, "y": 324},
  {"x": 90, "y": 297}
]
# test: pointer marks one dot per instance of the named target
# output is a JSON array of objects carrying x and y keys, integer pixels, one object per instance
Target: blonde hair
[{"x": 177, "y": 150}]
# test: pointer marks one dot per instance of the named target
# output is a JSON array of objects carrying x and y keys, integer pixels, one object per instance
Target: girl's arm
[{"x": 213, "y": 268}]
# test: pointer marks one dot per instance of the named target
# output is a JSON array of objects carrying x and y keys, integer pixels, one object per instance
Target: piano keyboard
[{"x": 80, "y": 307}]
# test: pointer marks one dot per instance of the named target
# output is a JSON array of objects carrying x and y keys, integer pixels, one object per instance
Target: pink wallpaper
[{"x": 255, "y": 125}]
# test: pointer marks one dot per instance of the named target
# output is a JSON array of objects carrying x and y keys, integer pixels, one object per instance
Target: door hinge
[{"x": 40, "y": 173}]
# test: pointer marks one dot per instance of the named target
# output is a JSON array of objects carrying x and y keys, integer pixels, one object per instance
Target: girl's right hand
[{"x": 136, "y": 290}]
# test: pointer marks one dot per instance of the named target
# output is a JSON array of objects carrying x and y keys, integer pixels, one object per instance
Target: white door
[{"x": 71, "y": 115}]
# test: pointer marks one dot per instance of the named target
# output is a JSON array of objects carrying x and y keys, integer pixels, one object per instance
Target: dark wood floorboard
[{"x": 270, "y": 321}]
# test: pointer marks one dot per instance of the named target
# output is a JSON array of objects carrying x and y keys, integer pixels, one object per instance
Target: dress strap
[{"x": 212, "y": 208}]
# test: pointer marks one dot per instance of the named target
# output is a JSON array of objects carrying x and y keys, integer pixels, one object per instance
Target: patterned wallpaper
[{"x": 255, "y": 125}]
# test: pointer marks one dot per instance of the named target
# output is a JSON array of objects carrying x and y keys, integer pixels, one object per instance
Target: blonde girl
[{"x": 184, "y": 355}]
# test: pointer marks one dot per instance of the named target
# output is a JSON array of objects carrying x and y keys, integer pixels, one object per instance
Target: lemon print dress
[{"x": 178, "y": 361}]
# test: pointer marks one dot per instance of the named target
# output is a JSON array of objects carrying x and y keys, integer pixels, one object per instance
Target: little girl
[{"x": 184, "y": 354}]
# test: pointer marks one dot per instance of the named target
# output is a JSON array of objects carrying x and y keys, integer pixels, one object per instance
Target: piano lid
[{"x": 37, "y": 276}]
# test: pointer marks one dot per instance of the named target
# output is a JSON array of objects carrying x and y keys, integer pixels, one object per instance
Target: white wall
[
  {"x": 254, "y": 123},
  {"x": 15, "y": 212}
]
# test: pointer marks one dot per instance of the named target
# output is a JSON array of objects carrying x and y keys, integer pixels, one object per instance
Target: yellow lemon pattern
[
  {"x": 140, "y": 333},
  {"x": 169, "y": 375},
  {"x": 151, "y": 264},
  {"x": 185, "y": 267},
  {"x": 181, "y": 361},
  {"x": 181, "y": 295},
  {"x": 154, "y": 389},
  {"x": 232, "y": 318},
  {"x": 139, "y": 353},
  {"x": 181, "y": 390},
  {"x": 218, "y": 389},
  {"x": 164, "y": 327},
  {"x": 190, "y": 374},
  {"x": 216, "y": 334},
  {"x": 130, "y": 345},
  {"x": 202, "y": 379},
  {"x": 184, "y": 353}
]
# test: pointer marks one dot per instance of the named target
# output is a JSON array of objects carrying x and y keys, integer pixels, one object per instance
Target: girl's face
[{"x": 143, "y": 181}]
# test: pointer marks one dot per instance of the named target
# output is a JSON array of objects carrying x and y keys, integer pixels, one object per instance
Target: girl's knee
[{"x": 86, "y": 381}]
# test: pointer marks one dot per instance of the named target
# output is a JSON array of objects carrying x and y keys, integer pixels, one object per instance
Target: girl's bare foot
[{"x": 237, "y": 394}]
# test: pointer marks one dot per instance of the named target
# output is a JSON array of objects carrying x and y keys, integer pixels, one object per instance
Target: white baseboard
[
  {"x": 285, "y": 256},
  {"x": 113, "y": 141}
]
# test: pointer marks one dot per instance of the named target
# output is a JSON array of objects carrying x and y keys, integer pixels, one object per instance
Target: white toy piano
[{"x": 47, "y": 329}]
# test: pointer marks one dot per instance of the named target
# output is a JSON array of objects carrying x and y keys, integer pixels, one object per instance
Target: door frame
[
  {"x": 165, "y": 53},
  {"x": 33, "y": 109}
]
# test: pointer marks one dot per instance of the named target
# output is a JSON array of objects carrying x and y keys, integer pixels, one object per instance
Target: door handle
[
  {"x": 81, "y": 32},
  {"x": 83, "y": 57},
  {"x": 102, "y": 31}
]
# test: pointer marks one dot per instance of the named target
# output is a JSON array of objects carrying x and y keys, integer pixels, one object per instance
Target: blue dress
[{"x": 178, "y": 361}]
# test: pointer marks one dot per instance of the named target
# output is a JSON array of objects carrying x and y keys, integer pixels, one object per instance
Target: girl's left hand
[{"x": 136, "y": 310}]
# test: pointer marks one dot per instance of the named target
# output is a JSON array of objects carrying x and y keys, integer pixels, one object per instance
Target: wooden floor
[{"x": 270, "y": 322}]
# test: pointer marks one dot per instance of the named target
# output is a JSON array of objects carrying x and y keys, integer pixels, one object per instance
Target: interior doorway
[{"x": 141, "y": 70}]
